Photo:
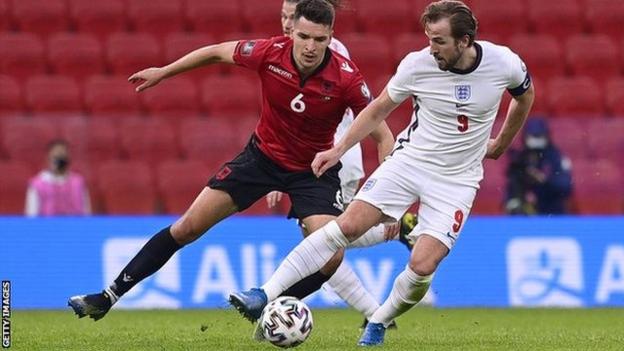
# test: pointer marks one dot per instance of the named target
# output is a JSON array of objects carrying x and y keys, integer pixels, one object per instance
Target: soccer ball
[{"x": 286, "y": 322}]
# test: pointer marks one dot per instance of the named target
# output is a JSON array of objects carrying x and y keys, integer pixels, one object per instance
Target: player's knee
[
  {"x": 423, "y": 266},
  {"x": 184, "y": 231}
]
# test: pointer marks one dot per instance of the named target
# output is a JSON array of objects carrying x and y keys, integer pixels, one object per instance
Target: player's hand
[
  {"x": 324, "y": 161},
  {"x": 391, "y": 231},
  {"x": 494, "y": 150},
  {"x": 149, "y": 77},
  {"x": 273, "y": 198}
]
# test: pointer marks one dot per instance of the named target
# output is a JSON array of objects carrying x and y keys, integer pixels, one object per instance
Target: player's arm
[
  {"x": 364, "y": 124},
  {"x": 517, "y": 113},
  {"x": 218, "y": 53},
  {"x": 384, "y": 139}
]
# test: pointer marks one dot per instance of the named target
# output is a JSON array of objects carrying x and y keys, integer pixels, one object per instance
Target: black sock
[
  {"x": 153, "y": 255},
  {"x": 307, "y": 285}
]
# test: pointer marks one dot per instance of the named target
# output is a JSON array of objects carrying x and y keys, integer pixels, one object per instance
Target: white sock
[
  {"x": 409, "y": 288},
  {"x": 373, "y": 236},
  {"x": 306, "y": 258},
  {"x": 350, "y": 288}
]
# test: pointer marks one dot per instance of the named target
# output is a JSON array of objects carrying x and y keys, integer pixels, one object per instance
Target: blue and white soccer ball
[{"x": 286, "y": 322}]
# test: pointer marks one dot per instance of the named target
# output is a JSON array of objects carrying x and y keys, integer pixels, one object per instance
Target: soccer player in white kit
[{"x": 456, "y": 85}]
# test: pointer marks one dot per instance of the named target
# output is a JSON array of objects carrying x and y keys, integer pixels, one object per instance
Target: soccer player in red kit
[{"x": 306, "y": 88}]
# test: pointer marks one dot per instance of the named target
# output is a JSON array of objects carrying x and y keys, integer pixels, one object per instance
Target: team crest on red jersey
[{"x": 247, "y": 48}]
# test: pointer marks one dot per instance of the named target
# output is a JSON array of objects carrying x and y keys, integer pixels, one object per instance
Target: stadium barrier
[{"x": 498, "y": 262}]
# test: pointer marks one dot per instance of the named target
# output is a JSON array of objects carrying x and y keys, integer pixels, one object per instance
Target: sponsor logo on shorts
[
  {"x": 223, "y": 173},
  {"x": 339, "y": 204},
  {"x": 369, "y": 184}
]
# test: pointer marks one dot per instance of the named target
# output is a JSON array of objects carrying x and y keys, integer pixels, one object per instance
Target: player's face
[
  {"x": 288, "y": 17},
  {"x": 310, "y": 40},
  {"x": 445, "y": 49}
]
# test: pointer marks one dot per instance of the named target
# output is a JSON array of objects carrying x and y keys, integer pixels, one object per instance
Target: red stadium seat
[
  {"x": 21, "y": 55},
  {"x": 13, "y": 185},
  {"x": 179, "y": 44},
  {"x": 570, "y": 135},
  {"x": 179, "y": 183},
  {"x": 614, "y": 91},
  {"x": 41, "y": 17},
  {"x": 600, "y": 63},
  {"x": 605, "y": 17},
  {"x": 597, "y": 187},
  {"x": 230, "y": 95},
  {"x": 101, "y": 18},
  {"x": 216, "y": 17},
  {"x": 404, "y": 43},
  {"x": 605, "y": 137},
  {"x": 5, "y": 19},
  {"x": 385, "y": 17},
  {"x": 157, "y": 17},
  {"x": 11, "y": 98},
  {"x": 212, "y": 140},
  {"x": 346, "y": 21},
  {"x": 175, "y": 99},
  {"x": 53, "y": 94},
  {"x": 491, "y": 196},
  {"x": 92, "y": 141},
  {"x": 545, "y": 63},
  {"x": 76, "y": 55},
  {"x": 560, "y": 18},
  {"x": 126, "y": 187},
  {"x": 128, "y": 53},
  {"x": 501, "y": 18},
  {"x": 371, "y": 54},
  {"x": 26, "y": 139},
  {"x": 263, "y": 17},
  {"x": 575, "y": 97},
  {"x": 111, "y": 96},
  {"x": 150, "y": 140}
]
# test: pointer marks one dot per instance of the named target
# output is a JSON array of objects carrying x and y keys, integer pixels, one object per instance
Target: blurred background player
[
  {"x": 306, "y": 90},
  {"x": 57, "y": 190},
  {"x": 458, "y": 84},
  {"x": 539, "y": 177}
]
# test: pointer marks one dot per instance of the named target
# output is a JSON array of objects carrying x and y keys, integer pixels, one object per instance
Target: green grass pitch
[{"x": 419, "y": 329}]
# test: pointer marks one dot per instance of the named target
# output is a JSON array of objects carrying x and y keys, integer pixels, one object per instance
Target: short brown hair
[
  {"x": 335, "y": 3},
  {"x": 316, "y": 11},
  {"x": 463, "y": 22}
]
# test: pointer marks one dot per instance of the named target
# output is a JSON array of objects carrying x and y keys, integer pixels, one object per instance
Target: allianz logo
[
  {"x": 545, "y": 271},
  {"x": 217, "y": 271}
]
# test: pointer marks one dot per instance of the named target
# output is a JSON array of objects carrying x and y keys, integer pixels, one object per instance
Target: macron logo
[
  {"x": 345, "y": 67},
  {"x": 281, "y": 72}
]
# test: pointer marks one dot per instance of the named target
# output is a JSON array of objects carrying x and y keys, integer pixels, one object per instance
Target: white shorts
[
  {"x": 348, "y": 190},
  {"x": 445, "y": 201}
]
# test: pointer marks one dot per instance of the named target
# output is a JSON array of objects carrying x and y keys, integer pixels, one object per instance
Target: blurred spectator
[
  {"x": 539, "y": 179},
  {"x": 57, "y": 190}
]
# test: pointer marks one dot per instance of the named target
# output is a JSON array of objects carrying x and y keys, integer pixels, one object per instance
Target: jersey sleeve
[
  {"x": 251, "y": 53},
  {"x": 519, "y": 78},
  {"x": 398, "y": 85},
  {"x": 358, "y": 95}
]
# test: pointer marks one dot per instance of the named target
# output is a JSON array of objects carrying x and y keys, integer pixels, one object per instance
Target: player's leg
[
  {"x": 409, "y": 288},
  {"x": 444, "y": 207},
  {"x": 386, "y": 191},
  {"x": 210, "y": 207}
]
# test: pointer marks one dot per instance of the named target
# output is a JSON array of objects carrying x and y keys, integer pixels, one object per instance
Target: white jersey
[
  {"x": 454, "y": 110},
  {"x": 352, "y": 168}
]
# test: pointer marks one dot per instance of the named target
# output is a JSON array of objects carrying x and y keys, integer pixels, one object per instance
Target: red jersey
[{"x": 299, "y": 117}]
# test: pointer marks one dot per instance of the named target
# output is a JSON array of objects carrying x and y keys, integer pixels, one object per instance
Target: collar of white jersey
[{"x": 474, "y": 65}]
